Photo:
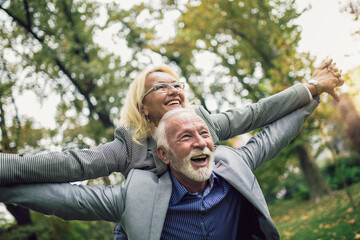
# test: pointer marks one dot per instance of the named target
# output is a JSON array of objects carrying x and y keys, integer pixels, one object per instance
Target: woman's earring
[{"x": 147, "y": 118}]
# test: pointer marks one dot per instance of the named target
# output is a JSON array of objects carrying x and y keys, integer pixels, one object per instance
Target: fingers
[
  {"x": 332, "y": 68},
  {"x": 337, "y": 74},
  {"x": 341, "y": 81},
  {"x": 334, "y": 95},
  {"x": 325, "y": 64}
]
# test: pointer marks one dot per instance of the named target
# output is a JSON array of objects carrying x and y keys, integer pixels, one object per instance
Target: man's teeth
[
  {"x": 200, "y": 157},
  {"x": 173, "y": 102}
]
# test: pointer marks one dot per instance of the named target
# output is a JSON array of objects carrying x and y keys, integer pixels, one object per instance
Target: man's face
[
  {"x": 156, "y": 104},
  {"x": 191, "y": 146}
]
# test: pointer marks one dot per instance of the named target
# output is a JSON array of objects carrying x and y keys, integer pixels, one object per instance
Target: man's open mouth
[{"x": 199, "y": 158}]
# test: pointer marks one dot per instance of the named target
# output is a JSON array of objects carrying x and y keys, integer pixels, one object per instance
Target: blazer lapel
[
  {"x": 162, "y": 199},
  {"x": 243, "y": 180}
]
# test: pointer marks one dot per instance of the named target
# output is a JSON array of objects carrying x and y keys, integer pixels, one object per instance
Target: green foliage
[
  {"x": 283, "y": 173},
  {"x": 58, "y": 47},
  {"x": 13, "y": 232},
  {"x": 50, "y": 45},
  {"x": 50, "y": 227},
  {"x": 350, "y": 168},
  {"x": 288, "y": 185},
  {"x": 254, "y": 42},
  {"x": 332, "y": 218},
  {"x": 296, "y": 187},
  {"x": 293, "y": 181}
]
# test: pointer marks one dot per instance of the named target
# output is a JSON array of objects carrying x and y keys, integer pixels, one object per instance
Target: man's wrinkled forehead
[{"x": 182, "y": 122}]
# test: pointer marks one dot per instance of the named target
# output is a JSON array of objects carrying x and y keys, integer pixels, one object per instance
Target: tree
[
  {"x": 351, "y": 119},
  {"x": 52, "y": 43},
  {"x": 346, "y": 136},
  {"x": 55, "y": 42},
  {"x": 350, "y": 110},
  {"x": 13, "y": 137},
  {"x": 353, "y": 7},
  {"x": 253, "y": 44},
  {"x": 254, "y": 47}
]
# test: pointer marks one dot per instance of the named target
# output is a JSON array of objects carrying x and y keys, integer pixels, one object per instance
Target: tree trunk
[
  {"x": 313, "y": 177},
  {"x": 22, "y": 217}
]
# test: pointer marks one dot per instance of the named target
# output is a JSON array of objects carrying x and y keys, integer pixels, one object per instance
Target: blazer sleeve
[
  {"x": 69, "y": 202},
  {"x": 234, "y": 122},
  {"x": 67, "y": 166},
  {"x": 268, "y": 143}
]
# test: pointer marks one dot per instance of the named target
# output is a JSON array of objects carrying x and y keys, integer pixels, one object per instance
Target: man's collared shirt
[{"x": 214, "y": 214}]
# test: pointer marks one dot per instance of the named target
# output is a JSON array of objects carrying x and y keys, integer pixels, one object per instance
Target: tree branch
[
  {"x": 28, "y": 15},
  {"x": 23, "y": 24},
  {"x": 81, "y": 49},
  {"x": 104, "y": 118}
]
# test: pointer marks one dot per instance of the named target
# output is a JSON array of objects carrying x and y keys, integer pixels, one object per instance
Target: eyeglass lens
[{"x": 165, "y": 87}]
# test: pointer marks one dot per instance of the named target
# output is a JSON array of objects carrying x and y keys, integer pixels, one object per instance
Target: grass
[{"x": 330, "y": 219}]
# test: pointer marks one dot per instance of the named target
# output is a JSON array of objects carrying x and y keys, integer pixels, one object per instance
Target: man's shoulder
[
  {"x": 143, "y": 185},
  {"x": 223, "y": 150},
  {"x": 142, "y": 174},
  {"x": 228, "y": 155},
  {"x": 139, "y": 178}
]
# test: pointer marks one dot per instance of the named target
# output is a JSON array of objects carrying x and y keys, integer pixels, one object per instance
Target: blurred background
[{"x": 66, "y": 65}]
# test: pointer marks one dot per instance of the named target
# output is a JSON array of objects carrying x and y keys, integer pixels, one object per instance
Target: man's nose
[{"x": 199, "y": 142}]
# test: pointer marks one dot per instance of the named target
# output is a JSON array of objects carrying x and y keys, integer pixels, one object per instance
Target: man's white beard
[{"x": 184, "y": 165}]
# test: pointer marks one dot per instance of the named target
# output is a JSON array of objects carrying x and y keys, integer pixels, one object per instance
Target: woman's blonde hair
[{"x": 131, "y": 115}]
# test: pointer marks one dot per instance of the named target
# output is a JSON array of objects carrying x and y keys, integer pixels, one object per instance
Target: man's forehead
[{"x": 183, "y": 121}]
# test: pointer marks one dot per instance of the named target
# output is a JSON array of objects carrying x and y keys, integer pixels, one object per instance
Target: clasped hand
[{"x": 329, "y": 77}]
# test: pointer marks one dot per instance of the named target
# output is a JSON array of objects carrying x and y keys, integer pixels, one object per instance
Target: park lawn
[{"x": 331, "y": 218}]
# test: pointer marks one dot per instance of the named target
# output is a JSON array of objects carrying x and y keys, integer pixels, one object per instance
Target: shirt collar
[{"x": 179, "y": 191}]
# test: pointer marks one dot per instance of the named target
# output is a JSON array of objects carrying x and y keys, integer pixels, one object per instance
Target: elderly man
[{"x": 202, "y": 195}]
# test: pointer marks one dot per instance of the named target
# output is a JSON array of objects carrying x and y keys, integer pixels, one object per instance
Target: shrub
[{"x": 350, "y": 168}]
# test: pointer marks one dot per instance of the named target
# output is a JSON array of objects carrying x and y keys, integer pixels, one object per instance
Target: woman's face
[{"x": 156, "y": 104}]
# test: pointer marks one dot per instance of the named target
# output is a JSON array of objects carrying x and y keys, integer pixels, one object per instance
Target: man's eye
[
  {"x": 185, "y": 136},
  {"x": 204, "y": 133}
]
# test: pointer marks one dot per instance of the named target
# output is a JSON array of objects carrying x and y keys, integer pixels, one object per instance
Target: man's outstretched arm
[{"x": 268, "y": 143}]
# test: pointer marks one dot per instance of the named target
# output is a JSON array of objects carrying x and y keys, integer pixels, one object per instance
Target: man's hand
[{"x": 329, "y": 77}]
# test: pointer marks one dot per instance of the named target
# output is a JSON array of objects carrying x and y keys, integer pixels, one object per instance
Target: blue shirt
[{"x": 214, "y": 214}]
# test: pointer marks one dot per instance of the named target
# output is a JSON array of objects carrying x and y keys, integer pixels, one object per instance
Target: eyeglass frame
[{"x": 152, "y": 89}]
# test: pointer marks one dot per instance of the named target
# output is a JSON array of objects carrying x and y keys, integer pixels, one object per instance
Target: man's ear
[{"x": 163, "y": 154}]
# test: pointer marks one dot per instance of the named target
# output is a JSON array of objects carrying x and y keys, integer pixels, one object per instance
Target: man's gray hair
[{"x": 160, "y": 132}]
